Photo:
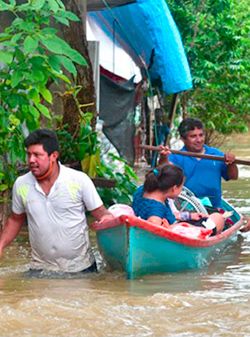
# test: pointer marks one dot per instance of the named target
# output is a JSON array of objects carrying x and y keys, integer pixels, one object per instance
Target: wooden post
[{"x": 172, "y": 114}]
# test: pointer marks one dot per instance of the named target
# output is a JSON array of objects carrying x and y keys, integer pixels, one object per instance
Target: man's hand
[
  {"x": 246, "y": 227},
  {"x": 164, "y": 153},
  {"x": 229, "y": 158},
  {"x": 106, "y": 222},
  {"x": 106, "y": 218},
  {"x": 164, "y": 150}
]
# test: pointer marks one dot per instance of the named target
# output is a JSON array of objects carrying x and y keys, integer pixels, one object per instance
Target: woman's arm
[{"x": 159, "y": 221}]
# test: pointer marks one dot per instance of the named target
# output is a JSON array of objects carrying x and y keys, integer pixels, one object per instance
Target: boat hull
[
  {"x": 138, "y": 251},
  {"x": 139, "y": 247}
]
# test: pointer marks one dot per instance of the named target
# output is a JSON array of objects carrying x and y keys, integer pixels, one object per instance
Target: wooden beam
[
  {"x": 96, "y": 5},
  {"x": 196, "y": 155}
]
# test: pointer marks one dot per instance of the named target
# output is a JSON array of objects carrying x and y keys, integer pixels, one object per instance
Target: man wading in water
[{"x": 54, "y": 198}]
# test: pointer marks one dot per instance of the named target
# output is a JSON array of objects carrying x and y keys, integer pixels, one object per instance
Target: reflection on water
[{"x": 210, "y": 302}]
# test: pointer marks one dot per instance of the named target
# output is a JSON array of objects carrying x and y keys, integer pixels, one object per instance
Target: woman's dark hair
[
  {"x": 163, "y": 178},
  {"x": 189, "y": 124},
  {"x": 45, "y": 137}
]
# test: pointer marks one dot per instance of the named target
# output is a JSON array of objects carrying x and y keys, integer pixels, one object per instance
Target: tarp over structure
[
  {"x": 117, "y": 112},
  {"x": 147, "y": 32}
]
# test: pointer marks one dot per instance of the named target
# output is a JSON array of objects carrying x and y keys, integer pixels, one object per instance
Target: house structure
[{"x": 145, "y": 32}]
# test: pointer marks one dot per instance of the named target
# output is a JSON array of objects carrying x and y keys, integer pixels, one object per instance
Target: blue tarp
[{"x": 148, "y": 33}]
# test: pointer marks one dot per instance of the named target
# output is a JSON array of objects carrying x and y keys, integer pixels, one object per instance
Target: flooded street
[{"x": 210, "y": 302}]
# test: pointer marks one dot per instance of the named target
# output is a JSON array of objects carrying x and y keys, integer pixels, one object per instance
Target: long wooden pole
[{"x": 197, "y": 155}]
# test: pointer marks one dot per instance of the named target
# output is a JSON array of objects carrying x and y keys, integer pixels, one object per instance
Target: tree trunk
[
  {"x": 183, "y": 102},
  {"x": 4, "y": 207},
  {"x": 76, "y": 37}
]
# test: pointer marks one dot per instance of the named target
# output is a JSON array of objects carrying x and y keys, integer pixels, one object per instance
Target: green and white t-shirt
[{"x": 57, "y": 224}]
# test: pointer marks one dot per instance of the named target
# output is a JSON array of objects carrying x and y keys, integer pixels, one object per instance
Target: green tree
[
  {"x": 32, "y": 56},
  {"x": 215, "y": 36}
]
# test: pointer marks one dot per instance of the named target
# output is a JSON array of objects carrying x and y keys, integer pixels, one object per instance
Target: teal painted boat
[{"x": 139, "y": 247}]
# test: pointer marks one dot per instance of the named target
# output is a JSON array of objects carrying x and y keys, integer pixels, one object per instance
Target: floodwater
[{"x": 210, "y": 302}]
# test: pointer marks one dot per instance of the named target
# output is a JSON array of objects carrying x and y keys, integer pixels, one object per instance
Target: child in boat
[{"x": 150, "y": 202}]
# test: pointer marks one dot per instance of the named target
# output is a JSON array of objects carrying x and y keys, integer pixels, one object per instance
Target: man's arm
[
  {"x": 232, "y": 169},
  {"x": 102, "y": 215},
  {"x": 11, "y": 229}
]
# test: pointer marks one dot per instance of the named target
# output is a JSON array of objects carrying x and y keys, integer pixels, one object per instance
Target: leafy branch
[{"x": 32, "y": 56}]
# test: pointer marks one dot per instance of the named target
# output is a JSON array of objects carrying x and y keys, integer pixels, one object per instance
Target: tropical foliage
[
  {"x": 84, "y": 148},
  {"x": 32, "y": 56},
  {"x": 125, "y": 179},
  {"x": 215, "y": 34}
]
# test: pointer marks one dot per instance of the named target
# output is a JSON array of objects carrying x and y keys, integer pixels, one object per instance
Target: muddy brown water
[{"x": 210, "y": 302}]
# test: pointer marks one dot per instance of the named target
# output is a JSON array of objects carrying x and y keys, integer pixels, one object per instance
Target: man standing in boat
[{"x": 203, "y": 176}]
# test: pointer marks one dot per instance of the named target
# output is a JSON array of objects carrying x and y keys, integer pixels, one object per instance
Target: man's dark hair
[
  {"x": 45, "y": 137},
  {"x": 189, "y": 124}
]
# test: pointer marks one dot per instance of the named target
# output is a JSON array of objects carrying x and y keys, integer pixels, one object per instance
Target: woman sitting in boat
[{"x": 150, "y": 202}]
